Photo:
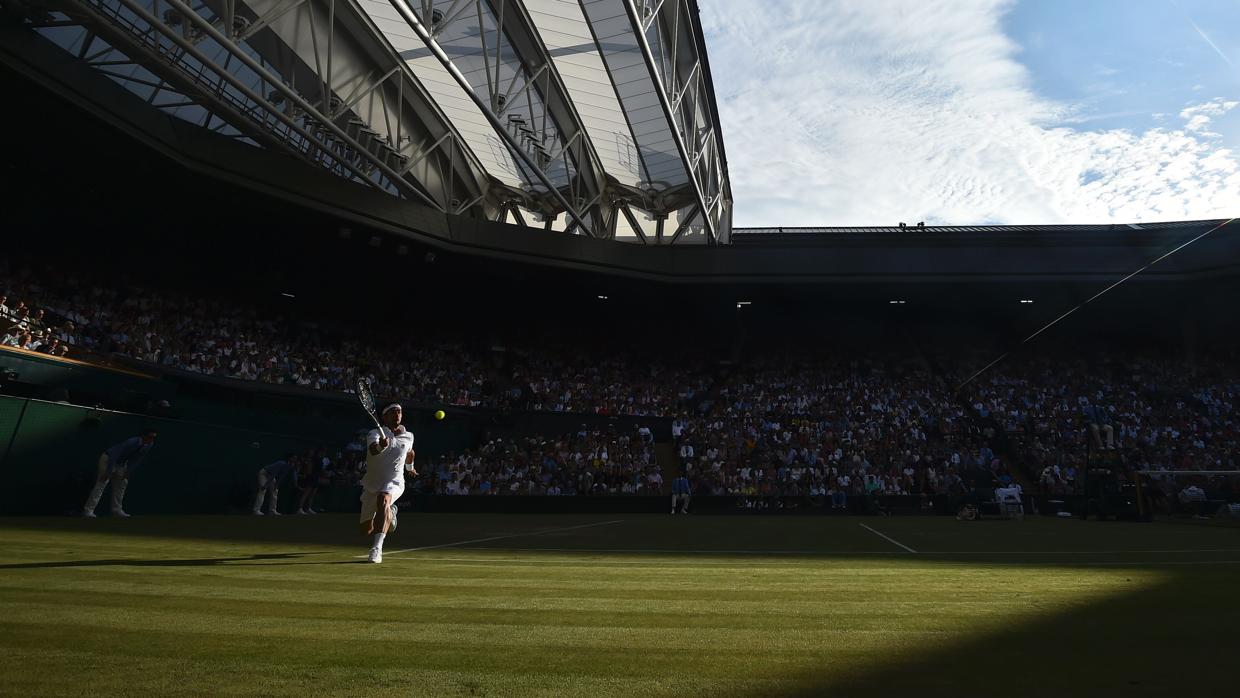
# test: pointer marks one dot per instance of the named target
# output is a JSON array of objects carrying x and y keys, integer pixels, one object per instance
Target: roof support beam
[
  {"x": 589, "y": 178},
  {"x": 223, "y": 94},
  {"x": 533, "y": 159},
  {"x": 675, "y": 114},
  {"x": 637, "y": 228},
  {"x": 332, "y": 52},
  {"x": 340, "y": 146},
  {"x": 684, "y": 225}
]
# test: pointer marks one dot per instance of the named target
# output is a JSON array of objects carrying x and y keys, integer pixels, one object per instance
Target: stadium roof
[
  {"x": 592, "y": 117},
  {"x": 807, "y": 235},
  {"x": 596, "y": 117}
]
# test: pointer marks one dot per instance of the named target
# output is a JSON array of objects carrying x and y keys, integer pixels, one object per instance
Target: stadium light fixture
[
  {"x": 1025, "y": 301},
  {"x": 895, "y": 302},
  {"x": 602, "y": 297},
  {"x": 286, "y": 294},
  {"x": 742, "y": 304}
]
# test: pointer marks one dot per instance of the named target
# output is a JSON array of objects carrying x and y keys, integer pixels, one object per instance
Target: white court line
[
  {"x": 1080, "y": 552},
  {"x": 513, "y": 535},
  {"x": 651, "y": 563},
  {"x": 646, "y": 551},
  {"x": 887, "y": 538},
  {"x": 1157, "y": 563}
]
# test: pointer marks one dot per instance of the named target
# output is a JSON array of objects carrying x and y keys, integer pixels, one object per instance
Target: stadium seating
[{"x": 838, "y": 431}]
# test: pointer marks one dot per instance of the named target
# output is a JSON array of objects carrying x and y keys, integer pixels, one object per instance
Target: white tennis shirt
[{"x": 386, "y": 472}]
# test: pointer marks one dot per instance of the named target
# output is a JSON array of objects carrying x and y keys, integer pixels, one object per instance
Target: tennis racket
[{"x": 365, "y": 397}]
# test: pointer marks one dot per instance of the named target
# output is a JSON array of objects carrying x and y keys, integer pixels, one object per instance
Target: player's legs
[
  {"x": 367, "y": 521},
  {"x": 383, "y": 512},
  {"x": 684, "y": 504},
  {"x": 1109, "y": 431},
  {"x": 1093, "y": 430},
  {"x": 379, "y": 522},
  {"x": 96, "y": 492},
  {"x": 674, "y": 498}
]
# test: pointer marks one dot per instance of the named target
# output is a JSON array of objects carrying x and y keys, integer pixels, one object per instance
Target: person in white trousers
[{"x": 116, "y": 466}]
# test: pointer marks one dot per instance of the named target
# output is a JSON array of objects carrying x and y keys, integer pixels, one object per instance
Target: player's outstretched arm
[{"x": 377, "y": 447}]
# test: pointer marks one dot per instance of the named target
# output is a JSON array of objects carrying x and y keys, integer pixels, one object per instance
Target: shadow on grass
[
  {"x": 1175, "y": 637},
  {"x": 262, "y": 559}
]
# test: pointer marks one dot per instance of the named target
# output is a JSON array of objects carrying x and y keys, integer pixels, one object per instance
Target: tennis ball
[{"x": 439, "y": 414}]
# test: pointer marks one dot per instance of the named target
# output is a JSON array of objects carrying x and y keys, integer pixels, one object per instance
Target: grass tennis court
[{"x": 616, "y": 605}]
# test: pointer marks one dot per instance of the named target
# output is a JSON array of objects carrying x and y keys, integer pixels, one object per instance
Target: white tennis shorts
[{"x": 370, "y": 503}]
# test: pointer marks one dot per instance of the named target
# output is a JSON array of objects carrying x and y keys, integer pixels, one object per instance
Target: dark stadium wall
[
  {"x": 51, "y": 452},
  {"x": 214, "y": 435},
  {"x": 32, "y": 375}
]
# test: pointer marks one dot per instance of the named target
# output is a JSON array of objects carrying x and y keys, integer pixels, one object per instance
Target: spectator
[{"x": 1098, "y": 420}]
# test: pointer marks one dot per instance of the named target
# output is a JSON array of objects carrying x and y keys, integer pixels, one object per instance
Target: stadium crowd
[
  {"x": 24, "y": 328},
  {"x": 842, "y": 434},
  {"x": 219, "y": 338},
  {"x": 1141, "y": 412},
  {"x": 589, "y": 461},
  {"x": 840, "y": 429}
]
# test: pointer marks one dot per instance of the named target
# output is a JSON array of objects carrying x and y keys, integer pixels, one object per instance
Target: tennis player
[{"x": 389, "y": 456}]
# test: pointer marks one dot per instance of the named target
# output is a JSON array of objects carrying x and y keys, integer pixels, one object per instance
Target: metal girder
[
  {"x": 349, "y": 140},
  {"x": 366, "y": 119},
  {"x": 637, "y": 228},
  {"x": 180, "y": 63},
  {"x": 530, "y": 112},
  {"x": 331, "y": 51},
  {"x": 325, "y": 81},
  {"x": 676, "y": 67},
  {"x": 591, "y": 179}
]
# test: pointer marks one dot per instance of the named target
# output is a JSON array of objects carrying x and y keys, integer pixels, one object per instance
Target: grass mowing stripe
[
  {"x": 431, "y": 653},
  {"x": 494, "y": 538},
  {"x": 842, "y": 616},
  {"x": 124, "y": 675},
  {"x": 503, "y": 637}
]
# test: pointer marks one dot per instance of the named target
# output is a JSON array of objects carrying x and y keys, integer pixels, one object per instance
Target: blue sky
[{"x": 978, "y": 111}]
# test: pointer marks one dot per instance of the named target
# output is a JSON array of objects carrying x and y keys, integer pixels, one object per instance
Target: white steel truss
[
  {"x": 592, "y": 117},
  {"x": 671, "y": 45}
]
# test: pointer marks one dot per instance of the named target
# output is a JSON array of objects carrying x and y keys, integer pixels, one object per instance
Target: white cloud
[
  {"x": 866, "y": 112},
  {"x": 1197, "y": 117}
]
